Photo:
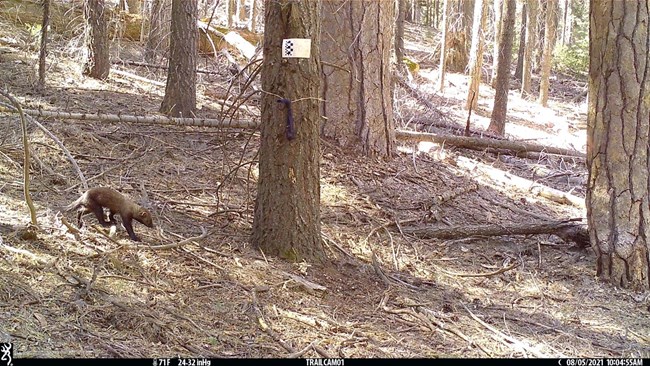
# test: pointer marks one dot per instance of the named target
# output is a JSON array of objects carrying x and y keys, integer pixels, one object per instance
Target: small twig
[
  {"x": 512, "y": 342},
  {"x": 499, "y": 271},
  {"x": 204, "y": 233},
  {"x": 302, "y": 351}
]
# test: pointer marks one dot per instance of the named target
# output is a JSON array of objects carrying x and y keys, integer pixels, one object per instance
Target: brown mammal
[{"x": 95, "y": 199}]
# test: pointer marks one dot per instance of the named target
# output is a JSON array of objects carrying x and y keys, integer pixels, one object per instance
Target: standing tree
[
  {"x": 617, "y": 141},
  {"x": 522, "y": 44},
  {"x": 231, "y": 8},
  {"x": 476, "y": 54},
  {"x": 356, "y": 50},
  {"x": 180, "y": 91},
  {"x": 498, "y": 10},
  {"x": 287, "y": 208},
  {"x": 98, "y": 62},
  {"x": 547, "y": 56},
  {"x": 567, "y": 23},
  {"x": 156, "y": 38},
  {"x": 45, "y": 25},
  {"x": 399, "y": 35},
  {"x": 531, "y": 40},
  {"x": 500, "y": 109},
  {"x": 459, "y": 30},
  {"x": 443, "y": 46}
]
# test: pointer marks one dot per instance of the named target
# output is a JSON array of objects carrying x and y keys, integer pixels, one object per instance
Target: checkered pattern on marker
[{"x": 296, "y": 48}]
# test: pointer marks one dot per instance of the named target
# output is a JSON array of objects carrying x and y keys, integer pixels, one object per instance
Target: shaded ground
[{"x": 85, "y": 296}]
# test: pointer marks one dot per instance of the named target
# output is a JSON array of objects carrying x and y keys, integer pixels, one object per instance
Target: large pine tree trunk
[
  {"x": 618, "y": 151},
  {"x": 531, "y": 41},
  {"x": 287, "y": 208},
  {"x": 476, "y": 53},
  {"x": 500, "y": 109},
  {"x": 98, "y": 62},
  {"x": 180, "y": 91},
  {"x": 357, "y": 86},
  {"x": 547, "y": 56}
]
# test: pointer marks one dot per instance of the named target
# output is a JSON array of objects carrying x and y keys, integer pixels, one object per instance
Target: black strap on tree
[{"x": 291, "y": 128}]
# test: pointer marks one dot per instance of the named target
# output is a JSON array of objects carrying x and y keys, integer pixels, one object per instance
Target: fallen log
[
  {"x": 522, "y": 184},
  {"x": 567, "y": 230},
  {"x": 482, "y": 143}
]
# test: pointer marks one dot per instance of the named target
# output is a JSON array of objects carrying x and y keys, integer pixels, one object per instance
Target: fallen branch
[
  {"x": 482, "y": 143},
  {"x": 507, "y": 340},
  {"x": 489, "y": 274},
  {"x": 523, "y": 184},
  {"x": 568, "y": 230},
  {"x": 26, "y": 160},
  {"x": 158, "y": 120}
]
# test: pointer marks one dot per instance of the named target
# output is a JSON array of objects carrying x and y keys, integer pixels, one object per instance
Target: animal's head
[{"x": 144, "y": 216}]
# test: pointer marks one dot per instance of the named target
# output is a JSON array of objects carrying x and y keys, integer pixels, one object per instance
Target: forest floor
[{"x": 91, "y": 295}]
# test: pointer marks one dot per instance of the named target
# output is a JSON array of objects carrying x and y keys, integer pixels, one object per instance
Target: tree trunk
[
  {"x": 436, "y": 12},
  {"x": 253, "y": 21},
  {"x": 443, "y": 46},
  {"x": 499, "y": 111},
  {"x": 98, "y": 63},
  {"x": 45, "y": 25},
  {"x": 399, "y": 35},
  {"x": 476, "y": 54},
  {"x": 231, "y": 9},
  {"x": 498, "y": 8},
  {"x": 357, "y": 87},
  {"x": 287, "y": 213},
  {"x": 156, "y": 40},
  {"x": 617, "y": 142},
  {"x": 180, "y": 91},
  {"x": 135, "y": 6},
  {"x": 522, "y": 44},
  {"x": 531, "y": 41},
  {"x": 547, "y": 57},
  {"x": 242, "y": 14},
  {"x": 416, "y": 12},
  {"x": 459, "y": 28}
]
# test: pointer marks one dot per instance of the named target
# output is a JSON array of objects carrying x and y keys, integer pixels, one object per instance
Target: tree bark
[
  {"x": 98, "y": 64},
  {"x": 357, "y": 84},
  {"x": 498, "y": 10},
  {"x": 399, "y": 35},
  {"x": 287, "y": 214},
  {"x": 547, "y": 56},
  {"x": 531, "y": 40},
  {"x": 459, "y": 29},
  {"x": 618, "y": 149},
  {"x": 180, "y": 92},
  {"x": 135, "y": 6},
  {"x": 156, "y": 39},
  {"x": 500, "y": 109},
  {"x": 476, "y": 54},
  {"x": 522, "y": 44}
]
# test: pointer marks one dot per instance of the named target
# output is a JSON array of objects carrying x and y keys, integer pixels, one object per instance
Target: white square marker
[{"x": 296, "y": 48}]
